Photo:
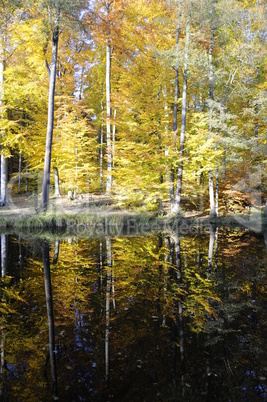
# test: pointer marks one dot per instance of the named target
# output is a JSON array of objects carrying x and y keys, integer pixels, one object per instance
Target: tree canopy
[{"x": 131, "y": 132}]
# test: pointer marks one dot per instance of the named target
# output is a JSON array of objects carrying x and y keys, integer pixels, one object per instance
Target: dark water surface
[{"x": 138, "y": 318}]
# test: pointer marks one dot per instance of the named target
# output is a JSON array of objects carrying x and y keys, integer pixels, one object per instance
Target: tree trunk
[
  {"x": 4, "y": 176},
  {"x": 108, "y": 105},
  {"x": 213, "y": 207},
  {"x": 113, "y": 136},
  {"x": 101, "y": 141},
  {"x": 50, "y": 316},
  {"x": 217, "y": 191},
  {"x": 56, "y": 176},
  {"x": 27, "y": 180},
  {"x": 50, "y": 116},
  {"x": 19, "y": 180},
  {"x": 4, "y": 166},
  {"x": 175, "y": 109},
  {"x": 211, "y": 192},
  {"x": 183, "y": 124}
]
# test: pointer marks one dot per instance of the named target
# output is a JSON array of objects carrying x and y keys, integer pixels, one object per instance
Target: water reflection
[
  {"x": 50, "y": 316},
  {"x": 157, "y": 318}
]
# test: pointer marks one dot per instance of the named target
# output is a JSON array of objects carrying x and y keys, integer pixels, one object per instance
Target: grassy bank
[{"x": 117, "y": 223}]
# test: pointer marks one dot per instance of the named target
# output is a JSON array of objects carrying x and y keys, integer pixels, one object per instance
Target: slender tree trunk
[
  {"x": 27, "y": 180},
  {"x": 176, "y": 82},
  {"x": 113, "y": 135},
  {"x": 50, "y": 116},
  {"x": 217, "y": 191},
  {"x": 4, "y": 165},
  {"x": 211, "y": 192},
  {"x": 108, "y": 105},
  {"x": 256, "y": 128},
  {"x": 183, "y": 124},
  {"x": 175, "y": 109},
  {"x": 101, "y": 141},
  {"x": 76, "y": 167},
  {"x": 56, "y": 176},
  {"x": 213, "y": 206},
  {"x": 19, "y": 180},
  {"x": 4, "y": 176},
  {"x": 50, "y": 315}
]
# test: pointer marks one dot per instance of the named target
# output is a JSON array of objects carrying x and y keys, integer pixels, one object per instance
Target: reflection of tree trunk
[
  {"x": 56, "y": 253},
  {"x": 20, "y": 258},
  {"x": 49, "y": 307},
  {"x": 3, "y": 255},
  {"x": 265, "y": 210},
  {"x": 165, "y": 280},
  {"x": 211, "y": 246},
  {"x": 180, "y": 313},
  {"x": 216, "y": 253},
  {"x": 180, "y": 319},
  {"x": 265, "y": 238},
  {"x": 210, "y": 257},
  {"x": 108, "y": 295},
  {"x": 3, "y": 274}
]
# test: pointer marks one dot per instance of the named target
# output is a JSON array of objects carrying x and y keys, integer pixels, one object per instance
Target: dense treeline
[{"x": 155, "y": 102}]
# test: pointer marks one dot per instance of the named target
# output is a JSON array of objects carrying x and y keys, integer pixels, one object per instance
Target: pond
[{"x": 154, "y": 317}]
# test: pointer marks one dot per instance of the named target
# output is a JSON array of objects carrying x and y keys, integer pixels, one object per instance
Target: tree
[
  {"x": 6, "y": 16},
  {"x": 58, "y": 13}
]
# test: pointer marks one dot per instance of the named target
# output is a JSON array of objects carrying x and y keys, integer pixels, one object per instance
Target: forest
[{"x": 157, "y": 104}]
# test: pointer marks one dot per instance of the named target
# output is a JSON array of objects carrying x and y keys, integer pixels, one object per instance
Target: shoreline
[{"x": 117, "y": 222}]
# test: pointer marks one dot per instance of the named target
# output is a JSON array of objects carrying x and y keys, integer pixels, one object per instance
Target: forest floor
[
  {"x": 90, "y": 210},
  {"x": 29, "y": 205}
]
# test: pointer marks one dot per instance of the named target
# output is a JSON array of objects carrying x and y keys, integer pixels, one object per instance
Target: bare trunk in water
[
  {"x": 108, "y": 299},
  {"x": 50, "y": 316}
]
